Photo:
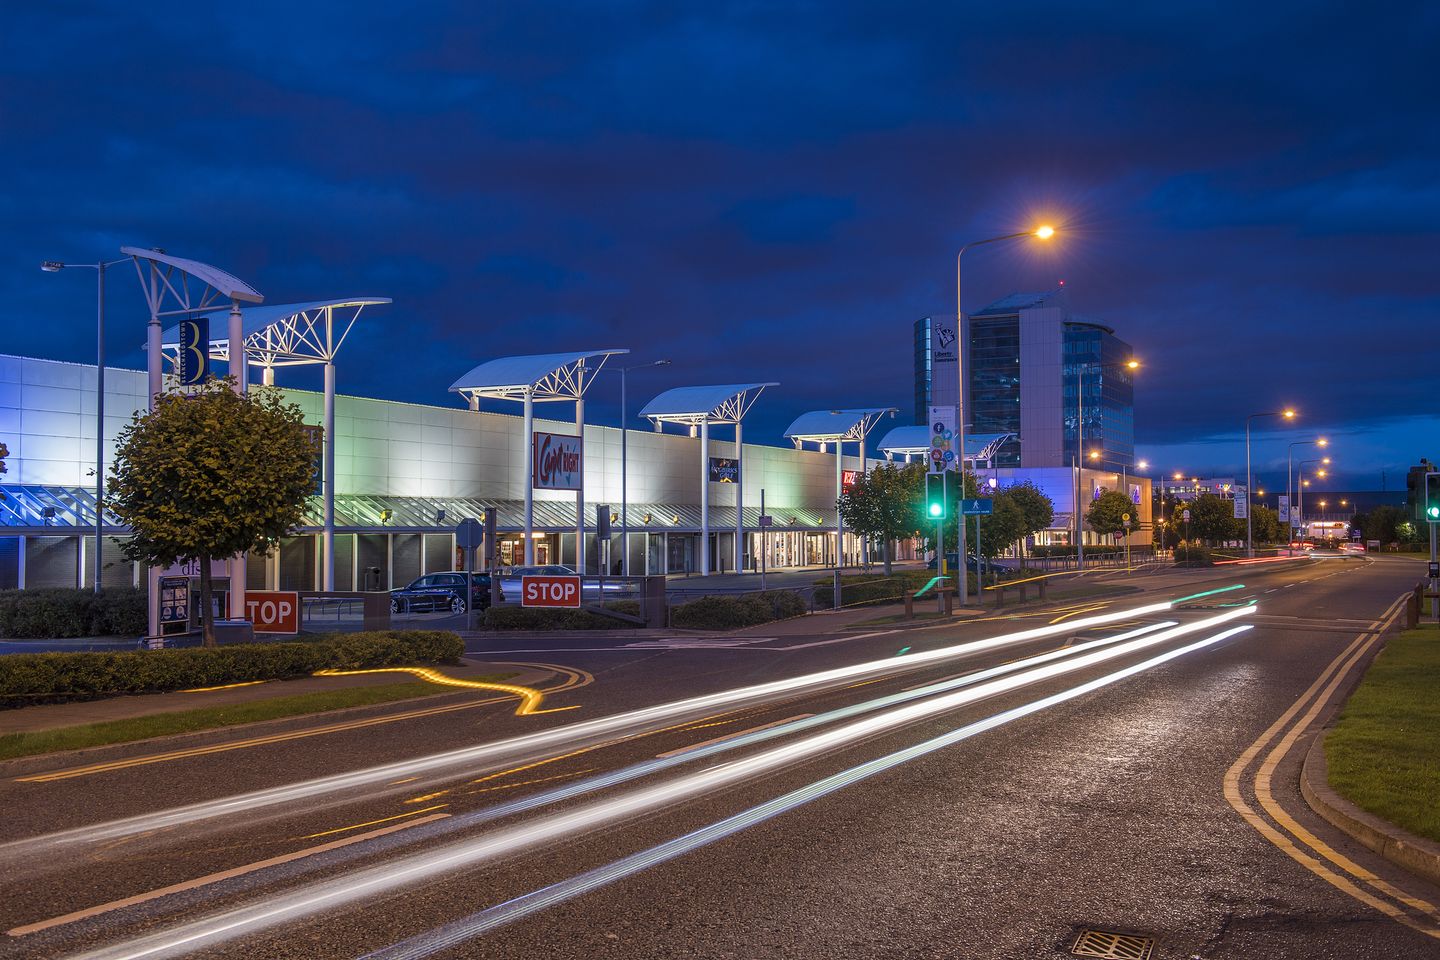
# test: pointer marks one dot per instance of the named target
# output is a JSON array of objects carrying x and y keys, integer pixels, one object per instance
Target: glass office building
[{"x": 1095, "y": 363}]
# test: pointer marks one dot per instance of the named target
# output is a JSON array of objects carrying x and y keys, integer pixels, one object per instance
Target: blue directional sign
[
  {"x": 194, "y": 365},
  {"x": 981, "y": 507}
]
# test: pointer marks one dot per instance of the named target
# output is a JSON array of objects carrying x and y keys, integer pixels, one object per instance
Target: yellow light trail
[
  {"x": 226, "y": 686},
  {"x": 530, "y": 698}
]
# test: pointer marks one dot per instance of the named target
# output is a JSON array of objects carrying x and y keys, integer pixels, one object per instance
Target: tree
[
  {"x": 1106, "y": 515},
  {"x": 211, "y": 475},
  {"x": 1212, "y": 519},
  {"x": 1265, "y": 524},
  {"x": 1382, "y": 523},
  {"x": 1038, "y": 509},
  {"x": 885, "y": 504},
  {"x": 1005, "y": 524}
]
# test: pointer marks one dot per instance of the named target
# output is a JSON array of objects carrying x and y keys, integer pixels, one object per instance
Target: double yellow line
[
  {"x": 572, "y": 678},
  {"x": 1284, "y": 832}
]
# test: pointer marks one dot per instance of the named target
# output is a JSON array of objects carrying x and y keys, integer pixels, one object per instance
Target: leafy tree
[
  {"x": 1037, "y": 509},
  {"x": 1382, "y": 523},
  {"x": 1265, "y": 524},
  {"x": 210, "y": 475},
  {"x": 1006, "y": 524},
  {"x": 1212, "y": 519},
  {"x": 1106, "y": 515},
  {"x": 885, "y": 504}
]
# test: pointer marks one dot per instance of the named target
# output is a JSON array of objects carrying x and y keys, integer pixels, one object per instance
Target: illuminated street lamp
[
  {"x": 1043, "y": 232},
  {"x": 1287, "y": 414},
  {"x": 1080, "y": 369},
  {"x": 1290, "y": 469}
]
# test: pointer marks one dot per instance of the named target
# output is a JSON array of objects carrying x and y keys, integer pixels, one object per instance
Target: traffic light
[
  {"x": 1432, "y": 497},
  {"x": 4, "y": 452},
  {"x": 935, "y": 495}
]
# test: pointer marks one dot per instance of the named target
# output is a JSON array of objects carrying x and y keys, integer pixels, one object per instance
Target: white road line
[{"x": 730, "y": 736}]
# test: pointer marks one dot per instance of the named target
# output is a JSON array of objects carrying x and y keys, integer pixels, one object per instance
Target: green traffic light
[
  {"x": 1433, "y": 512},
  {"x": 936, "y": 510}
]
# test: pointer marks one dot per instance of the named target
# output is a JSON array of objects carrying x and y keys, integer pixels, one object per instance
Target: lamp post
[
  {"x": 1043, "y": 232},
  {"x": 1303, "y": 483},
  {"x": 1287, "y": 414},
  {"x": 1290, "y": 478},
  {"x": 1077, "y": 463},
  {"x": 55, "y": 266},
  {"x": 624, "y": 491}
]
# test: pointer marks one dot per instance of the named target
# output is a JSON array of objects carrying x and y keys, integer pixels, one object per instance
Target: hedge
[
  {"x": 1193, "y": 555},
  {"x": 49, "y": 614},
  {"x": 729, "y": 612},
  {"x": 526, "y": 618},
  {"x": 28, "y": 678}
]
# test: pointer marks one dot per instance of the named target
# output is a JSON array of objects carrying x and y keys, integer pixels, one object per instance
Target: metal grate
[{"x": 1112, "y": 946}]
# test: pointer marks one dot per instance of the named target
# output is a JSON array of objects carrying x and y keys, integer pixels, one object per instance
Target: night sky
[{"x": 764, "y": 192}]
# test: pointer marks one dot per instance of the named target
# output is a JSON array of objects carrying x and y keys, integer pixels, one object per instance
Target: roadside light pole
[
  {"x": 1043, "y": 232},
  {"x": 624, "y": 459},
  {"x": 1078, "y": 459},
  {"x": 1302, "y": 482},
  {"x": 1288, "y": 414},
  {"x": 55, "y": 266},
  {"x": 1290, "y": 484}
]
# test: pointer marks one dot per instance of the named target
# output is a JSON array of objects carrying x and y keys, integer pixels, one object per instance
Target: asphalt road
[{"x": 980, "y": 794}]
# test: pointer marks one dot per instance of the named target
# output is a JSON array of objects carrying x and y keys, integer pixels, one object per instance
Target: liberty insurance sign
[{"x": 557, "y": 462}]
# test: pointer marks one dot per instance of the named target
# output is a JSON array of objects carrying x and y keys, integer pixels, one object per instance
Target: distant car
[
  {"x": 1352, "y": 546},
  {"x": 589, "y": 587},
  {"x": 952, "y": 560},
  {"x": 1302, "y": 545},
  {"x": 442, "y": 591}
]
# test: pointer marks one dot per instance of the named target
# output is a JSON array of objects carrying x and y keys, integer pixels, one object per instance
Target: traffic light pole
[{"x": 1434, "y": 582}]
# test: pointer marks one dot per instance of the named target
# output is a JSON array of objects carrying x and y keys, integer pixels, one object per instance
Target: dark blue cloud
[{"x": 759, "y": 191}]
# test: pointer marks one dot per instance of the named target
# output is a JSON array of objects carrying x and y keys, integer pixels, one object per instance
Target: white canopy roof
[
  {"x": 831, "y": 425},
  {"x": 550, "y": 376},
  {"x": 223, "y": 283},
  {"x": 258, "y": 318},
  {"x": 720, "y": 403},
  {"x": 916, "y": 440}
]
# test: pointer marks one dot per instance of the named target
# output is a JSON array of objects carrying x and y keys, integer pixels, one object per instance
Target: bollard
[
  {"x": 837, "y": 588},
  {"x": 1000, "y": 596},
  {"x": 1024, "y": 592},
  {"x": 949, "y": 603},
  {"x": 909, "y": 607},
  {"x": 1412, "y": 610},
  {"x": 1042, "y": 589}
]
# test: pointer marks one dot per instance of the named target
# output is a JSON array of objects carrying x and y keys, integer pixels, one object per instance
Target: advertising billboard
[
  {"x": 724, "y": 470},
  {"x": 193, "y": 358},
  {"x": 557, "y": 461},
  {"x": 943, "y": 441}
]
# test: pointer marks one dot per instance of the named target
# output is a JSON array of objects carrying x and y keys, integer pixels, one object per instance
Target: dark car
[{"x": 440, "y": 591}]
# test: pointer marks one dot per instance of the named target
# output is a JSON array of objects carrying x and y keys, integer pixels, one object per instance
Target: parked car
[{"x": 443, "y": 591}]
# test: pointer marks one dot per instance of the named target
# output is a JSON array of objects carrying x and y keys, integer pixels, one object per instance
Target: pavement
[{"x": 985, "y": 788}]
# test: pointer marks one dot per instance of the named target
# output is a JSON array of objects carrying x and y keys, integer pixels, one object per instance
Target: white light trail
[
  {"x": 423, "y": 865},
  {"x": 453, "y": 934},
  {"x": 536, "y": 745}
]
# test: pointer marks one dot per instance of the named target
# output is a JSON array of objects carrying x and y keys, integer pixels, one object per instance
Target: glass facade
[
  {"x": 1096, "y": 358},
  {"x": 922, "y": 371},
  {"x": 995, "y": 382}
]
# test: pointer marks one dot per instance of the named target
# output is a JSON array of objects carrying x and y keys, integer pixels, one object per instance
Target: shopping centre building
[{"x": 404, "y": 474}]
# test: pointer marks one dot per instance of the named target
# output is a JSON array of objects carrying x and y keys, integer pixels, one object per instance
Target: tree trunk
[
  {"x": 889, "y": 552},
  {"x": 207, "y": 611}
]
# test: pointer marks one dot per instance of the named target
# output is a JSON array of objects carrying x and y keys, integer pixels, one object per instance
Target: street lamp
[
  {"x": 624, "y": 491},
  {"x": 1325, "y": 462},
  {"x": 1290, "y": 469},
  {"x": 1080, "y": 368},
  {"x": 55, "y": 266},
  {"x": 1043, "y": 232},
  {"x": 1287, "y": 414}
]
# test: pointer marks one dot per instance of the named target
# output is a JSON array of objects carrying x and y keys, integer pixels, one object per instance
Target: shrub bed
[
  {"x": 1193, "y": 555},
  {"x": 27, "y": 678},
  {"x": 730, "y": 612},
  {"x": 522, "y": 618},
  {"x": 50, "y": 614}
]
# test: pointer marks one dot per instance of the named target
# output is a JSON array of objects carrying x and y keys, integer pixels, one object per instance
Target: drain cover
[{"x": 1112, "y": 946}]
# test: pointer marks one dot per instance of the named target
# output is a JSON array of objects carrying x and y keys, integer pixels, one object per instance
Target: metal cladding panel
[
  {"x": 1042, "y": 401},
  {"x": 9, "y": 563}
]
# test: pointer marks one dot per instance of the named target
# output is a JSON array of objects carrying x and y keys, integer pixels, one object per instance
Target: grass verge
[
  {"x": 1384, "y": 753},
  {"x": 14, "y": 745}
]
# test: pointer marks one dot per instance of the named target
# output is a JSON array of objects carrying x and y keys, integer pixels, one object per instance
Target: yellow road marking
[
  {"x": 574, "y": 678},
  {"x": 1076, "y": 613},
  {"x": 371, "y": 823},
  {"x": 428, "y": 796},
  {"x": 215, "y": 877},
  {"x": 528, "y": 783},
  {"x": 226, "y": 686},
  {"x": 730, "y": 736},
  {"x": 1329, "y": 678},
  {"x": 530, "y": 698}
]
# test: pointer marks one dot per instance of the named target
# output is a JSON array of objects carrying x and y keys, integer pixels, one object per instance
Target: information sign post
[{"x": 468, "y": 537}]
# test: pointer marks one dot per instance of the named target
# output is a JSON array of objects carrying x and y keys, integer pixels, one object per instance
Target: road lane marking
[
  {"x": 371, "y": 823},
  {"x": 730, "y": 736},
  {"x": 1330, "y": 678},
  {"x": 530, "y": 698},
  {"x": 574, "y": 678},
  {"x": 216, "y": 877}
]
